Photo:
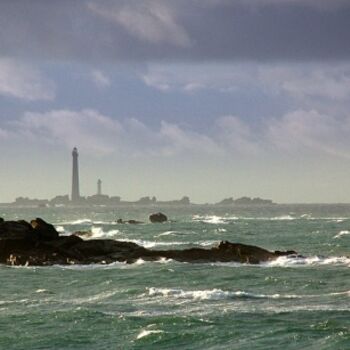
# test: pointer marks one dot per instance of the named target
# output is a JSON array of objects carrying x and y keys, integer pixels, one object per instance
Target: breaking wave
[
  {"x": 309, "y": 261},
  {"x": 86, "y": 221},
  {"x": 342, "y": 233},
  {"x": 145, "y": 333},
  {"x": 219, "y": 294},
  {"x": 213, "y": 294},
  {"x": 214, "y": 219}
]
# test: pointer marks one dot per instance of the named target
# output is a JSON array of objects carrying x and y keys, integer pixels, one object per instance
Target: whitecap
[
  {"x": 94, "y": 298},
  {"x": 84, "y": 221},
  {"x": 285, "y": 261},
  {"x": 213, "y": 294},
  {"x": 347, "y": 293},
  {"x": 145, "y": 333},
  {"x": 139, "y": 262},
  {"x": 20, "y": 301},
  {"x": 41, "y": 291},
  {"x": 306, "y": 216},
  {"x": 116, "y": 264},
  {"x": 283, "y": 218},
  {"x": 98, "y": 232},
  {"x": 151, "y": 244},
  {"x": 213, "y": 219},
  {"x": 207, "y": 243},
  {"x": 342, "y": 233},
  {"x": 167, "y": 233}
]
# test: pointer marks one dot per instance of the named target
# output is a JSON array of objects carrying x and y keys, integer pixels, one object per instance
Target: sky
[{"x": 205, "y": 98}]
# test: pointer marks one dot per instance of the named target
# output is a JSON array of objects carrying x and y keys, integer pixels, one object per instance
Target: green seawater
[{"x": 291, "y": 303}]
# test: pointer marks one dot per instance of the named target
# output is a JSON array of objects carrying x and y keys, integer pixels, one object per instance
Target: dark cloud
[{"x": 193, "y": 30}]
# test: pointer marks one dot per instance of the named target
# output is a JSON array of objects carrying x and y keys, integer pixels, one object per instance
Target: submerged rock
[
  {"x": 131, "y": 221},
  {"x": 158, "y": 217},
  {"x": 38, "y": 243}
]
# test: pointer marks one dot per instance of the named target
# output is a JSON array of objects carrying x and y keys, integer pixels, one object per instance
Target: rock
[
  {"x": 44, "y": 230},
  {"x": 38, "y": 243},
  {"x": 132, "y": 222},
  {"x": 15, "y": 229},
  {"x": 158, "y": 217}
]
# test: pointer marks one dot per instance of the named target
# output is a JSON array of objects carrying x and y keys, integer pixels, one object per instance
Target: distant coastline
[{"x": 107, "y": 201}]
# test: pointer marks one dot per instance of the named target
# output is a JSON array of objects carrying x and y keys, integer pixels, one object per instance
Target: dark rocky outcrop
[
  {"x": 39, "y": 243},
  {"x": 158, "y": 217},
  {"x": 44, "y": 230}
]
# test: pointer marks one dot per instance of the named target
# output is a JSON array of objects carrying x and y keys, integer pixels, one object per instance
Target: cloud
[
  {"x": 298, "y": 133},
  {"x": 21, "y": 81},
  {"x": 308, "y": 81},
  {"x": 92, "y": 131},
  {"x": 100, "y": 79},
  {"x": 181, "y": 141},
  {"x": 310, "y": 131},
  {"x": 182, "y": 30},
  {"x": 301, "y": 82},
  {"x": 307, "y": 132},
  {"x": 150, "y": 21},
  {"x": 193, "y": 77},
  {"x": 3, "y": 134},
  {"x": 238, "y": 136},
  {"x": 102, "y": 135},
  {"x": 318, "y": 4}
]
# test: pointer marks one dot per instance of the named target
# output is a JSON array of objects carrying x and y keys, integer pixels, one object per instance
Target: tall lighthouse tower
[
  {"x": 75, "y": 177},
  {"x": 99, "y": 187}
]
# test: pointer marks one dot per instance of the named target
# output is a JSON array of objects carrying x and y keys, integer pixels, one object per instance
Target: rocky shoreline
[{"x": 39, "y": 244}]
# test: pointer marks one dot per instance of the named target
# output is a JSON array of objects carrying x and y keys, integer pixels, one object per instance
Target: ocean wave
[
  {"x": 160, "y": 261},
  {"x": 85, "y": 221},
  {"x": 284, "y": 261},
  {"x": 282, "y": 218},
  {"x": 20, "y": 301},
  {"x": 78, "y": 222},
  {"x": 95, "y": 266},
  {"x": 145, "y": 333},
  {"x": 152, "y": 244},
  {"x": 342, "y": 233},
  {"x": 213, "y": 219},
  {"x": 60, "y": 229},
  {"x": 170, "y": 233},
  {"x": 213, "y": 294},
  {"x": 94, "y": 298},
  {"x": 219, "y": 294},
  {"x": 98, "y": 232}
]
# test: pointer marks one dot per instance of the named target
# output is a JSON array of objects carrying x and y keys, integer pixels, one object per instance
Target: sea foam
[
  {"x": 342, "y": 233},
  {"x": 145, "y": 333},
  {"x": 284, "y": 261},
  {"x": 213, "y": 294}
]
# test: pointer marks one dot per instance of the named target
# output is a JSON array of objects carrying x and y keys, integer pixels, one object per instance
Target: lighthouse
[
  {"x": 75, "y": 177},
  {"x": 99, "y": 187}
]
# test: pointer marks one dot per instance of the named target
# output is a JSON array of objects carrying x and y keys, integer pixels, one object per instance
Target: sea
[{"x": 289, "y": 303}]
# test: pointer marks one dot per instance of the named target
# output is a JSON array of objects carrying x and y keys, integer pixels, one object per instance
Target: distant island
[
  {"x": 113, "y": 201},
  {"x": 100, "y": 199},
  {"x": 246, "y": 201}
]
